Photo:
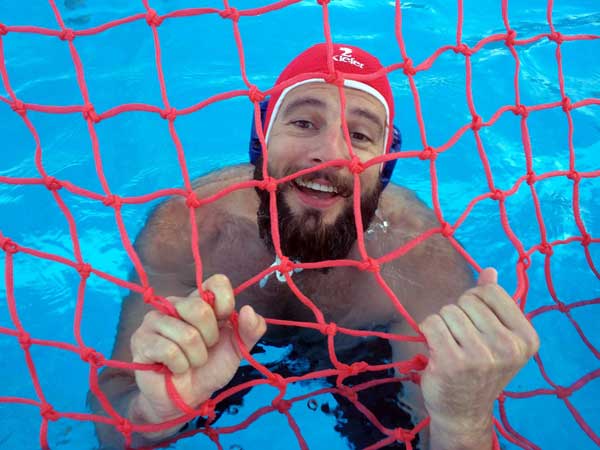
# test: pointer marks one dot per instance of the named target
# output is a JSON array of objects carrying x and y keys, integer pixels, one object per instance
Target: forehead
[{"x": 330, "y": 95}]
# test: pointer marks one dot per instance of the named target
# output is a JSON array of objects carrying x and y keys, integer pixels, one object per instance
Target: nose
[{"x": 329, "y": 145}]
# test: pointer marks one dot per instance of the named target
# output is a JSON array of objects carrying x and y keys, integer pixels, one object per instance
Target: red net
[{"x": 280, "y": 403}]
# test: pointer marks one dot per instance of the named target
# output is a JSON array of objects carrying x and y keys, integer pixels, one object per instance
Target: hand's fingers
[
  {"x": 185, "y": 336},
  {"x": 149, "y": 348},
  {"x": 502, "y": 305},
  {"x": 252, "y": 326},
  {"x": 461, "y": 327},
  {"x": 221, "y": 287},
  {"x": 199, "y": 315},
  {"x": 480, "y": 314},
  {"x": 509, "y": 314},
  {"x": 487, "y": 276},
  {"x": 439, "y": 339}
]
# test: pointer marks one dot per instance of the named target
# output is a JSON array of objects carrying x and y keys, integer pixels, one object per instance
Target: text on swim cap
[{"x": 347, "y": 57}]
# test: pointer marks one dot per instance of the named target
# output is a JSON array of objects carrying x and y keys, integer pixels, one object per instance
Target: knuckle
[
  {"x": 203, "y": 312},
  {"x": 450, "y": 310},
  {"x": 151, "y": 317},
  {"x": 218, "y": 280},
  {"x": 190, "y": 337}
]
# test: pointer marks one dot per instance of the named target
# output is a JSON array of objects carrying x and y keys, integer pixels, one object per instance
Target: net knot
[
  {"x": 192, "y": 200},
  {"x": 348, "y": 393},
  {"x": 230, "y": 13},
  {"x": 170, "y": 114},
  {"x": 525, "y": 261},
  {"x": 408, "y": 67},
  {"x": 89, "y": 355},
  {"x": 520, "y": 110},
  {"x": 209, "y": 297},
  {"x": 428, "y": 153},
  {"x": 66, "y": 35},
  {"x": 574, "y": 176},
  {"x": 255, "y": 95},
  {"x": 19, "y": 107},
  {"x": 447, "y": 230},
  {"x": 556, "y": 37},
  {"x": 277, "y": 381},
  {"x": 90, "y": 114},
  {"x": 207, "y": 409},
  {"x": 586, "y": 240},
  {"x": 562, "y": 392},
  {"x": 334, "y": 78},
  {"x": 286, "y": 266},
  {"x": 124, "y": 427},
  {"x": 3, "y": 29},
  {"x": 371, "y": 265},
  {"x": 112, "y": 200},
  {"x": 531, "y": 178},
  {"x": 510, "y": 38},
  {"x": 356, "y": 368},
  {"x": 402, "y": 435},
  {"x": 546, "y": 249},
  {"x": 8, "y": 246},
  {"x": 153, "y": 19},
  {"x": 148, "y": 295},
  {"x": 330, "y": 329},
  {"x": 563, "y": 308},
  {"x": 52, "y": 184},
  {"x": 464, "y": 49},
  {"x": 566, "y": 104},
  {"x": 84, "y": 270},
  {"x": 476, "y": 123},
  {"x": 281, "y": 405},
  {"x": 269, "y": 184},
  {"x": 48, "y": 412},
  {"x": 356, "y": 166},
  {"x": 498, "y": 195},
  {"x": 24, "y": 340}
]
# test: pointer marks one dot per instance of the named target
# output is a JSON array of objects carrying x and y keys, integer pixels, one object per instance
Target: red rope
[{"x": 409, "y": 369}]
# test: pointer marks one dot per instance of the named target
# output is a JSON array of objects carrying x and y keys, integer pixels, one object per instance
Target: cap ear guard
[
  {"x": 388, "y": 166},
  {"x": 255, "y": 150}
]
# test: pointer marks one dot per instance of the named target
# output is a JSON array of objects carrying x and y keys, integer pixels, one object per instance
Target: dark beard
[{"x": 306, "y": 238}]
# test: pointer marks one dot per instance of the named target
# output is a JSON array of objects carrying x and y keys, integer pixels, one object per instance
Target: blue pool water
[{"x": 200, "y": 59}]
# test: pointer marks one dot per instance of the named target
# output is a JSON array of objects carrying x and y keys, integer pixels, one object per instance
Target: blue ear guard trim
[{"x": 255, "y": 150}]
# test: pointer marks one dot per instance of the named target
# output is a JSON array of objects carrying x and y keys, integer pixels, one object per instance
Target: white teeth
[{"x": 316, "y": 186}]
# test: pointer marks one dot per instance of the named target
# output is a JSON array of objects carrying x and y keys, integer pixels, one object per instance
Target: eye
[
  {"x": 360, "y": 137},
  {"x": 304, "y": 124}
]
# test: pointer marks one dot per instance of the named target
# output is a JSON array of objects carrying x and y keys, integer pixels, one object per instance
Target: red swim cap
[{"x": 350, "y": 63}]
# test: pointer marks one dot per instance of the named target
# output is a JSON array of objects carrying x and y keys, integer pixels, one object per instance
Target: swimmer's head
[
  {"x": 303, "y": 128},
  {"x": 347, "y": 64}
]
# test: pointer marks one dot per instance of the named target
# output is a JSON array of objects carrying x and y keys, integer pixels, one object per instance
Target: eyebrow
[
  {"x": 317, "y": 102},
  {"x": 369, "y": 115},
  {"x": 301, "y": 102}
]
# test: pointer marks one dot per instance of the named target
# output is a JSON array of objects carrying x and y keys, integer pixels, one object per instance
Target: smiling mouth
[{"x": 317, "y": 190}]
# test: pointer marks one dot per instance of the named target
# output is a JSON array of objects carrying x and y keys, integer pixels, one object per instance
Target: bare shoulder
[
  {"x": 165, "y": 241},
  {"x": 401, "y": 206}
]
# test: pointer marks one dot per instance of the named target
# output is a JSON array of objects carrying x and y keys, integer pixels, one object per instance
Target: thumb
[
  {"x": 487, "y": 276},
  {"x": 252, "y": 326}
]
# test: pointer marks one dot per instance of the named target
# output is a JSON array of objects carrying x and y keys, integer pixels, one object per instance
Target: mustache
[{"x": 333, "y": 175}]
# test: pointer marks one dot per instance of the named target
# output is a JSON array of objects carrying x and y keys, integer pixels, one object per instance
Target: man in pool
[{"x": 477, "y": 337}]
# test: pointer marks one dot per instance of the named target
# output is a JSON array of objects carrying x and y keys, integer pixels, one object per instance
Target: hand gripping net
[{"x": 282, "y": 403}]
